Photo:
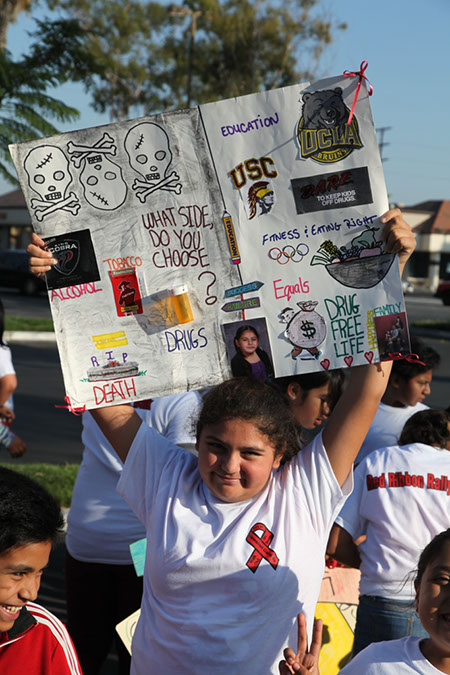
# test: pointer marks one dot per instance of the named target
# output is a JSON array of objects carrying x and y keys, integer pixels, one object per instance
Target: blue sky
[{"x": 407, "y": 46}]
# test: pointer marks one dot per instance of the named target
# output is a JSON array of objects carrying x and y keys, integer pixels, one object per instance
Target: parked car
[
  {"x": 443, "y": 292},
  {"x": 15, "y": 273},
  {"x": 407, "y": 287}
]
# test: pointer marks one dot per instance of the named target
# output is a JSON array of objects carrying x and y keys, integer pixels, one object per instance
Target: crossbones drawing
[
  {"x": 148, "y": 148},
  {"x": 143, "y": 188},
  {"x": 79, "y": 153},
  {"x": 70, "y": 203},
  {"x": 49, "y": 176}
]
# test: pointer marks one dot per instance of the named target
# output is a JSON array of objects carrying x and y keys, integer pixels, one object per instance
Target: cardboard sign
[
  {"x": 274, "y": 187},
  {"x": 127, "y": 627}
]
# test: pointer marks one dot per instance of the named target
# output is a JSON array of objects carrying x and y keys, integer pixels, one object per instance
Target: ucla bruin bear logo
[{"x": 323, "y": 132}]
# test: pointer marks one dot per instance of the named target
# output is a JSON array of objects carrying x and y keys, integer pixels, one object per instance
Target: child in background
[
  {"x": 408, "y": 386},
  {"x": 32, "y": 640},
  {"x": 408, "y": 655},
  {"x": 8, "y": 384},
  {"x": 415, "y": 655},
  {"x": 312, "y": 396},
  {"x": 398, "y": 502},
  {"x": 101, "y": 526},
  {"x": 250, "y": 360}
]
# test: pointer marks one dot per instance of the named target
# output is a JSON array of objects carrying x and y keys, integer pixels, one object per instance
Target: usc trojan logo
[
  {"x": 323, "y": 132},
  {"x": 260, "y": 197}
]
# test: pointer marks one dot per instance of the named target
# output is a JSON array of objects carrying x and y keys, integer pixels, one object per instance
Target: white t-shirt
[
  {"x": 6, "y": 368},
  {"x": 400, "y": 517},
  {"x": 204, "y": 609},
  {"x": 386, "y": 427},
  {"x": 101, "y": 526},
  {"x": 394, "y": 657}
]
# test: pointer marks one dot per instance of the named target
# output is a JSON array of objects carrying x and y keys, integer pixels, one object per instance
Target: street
[{"x": 53, "y": 434}]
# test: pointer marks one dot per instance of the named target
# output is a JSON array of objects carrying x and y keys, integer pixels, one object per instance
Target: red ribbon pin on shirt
[
  {"x": 261, "y": 546},
  {"x": 360, "y": 74}
]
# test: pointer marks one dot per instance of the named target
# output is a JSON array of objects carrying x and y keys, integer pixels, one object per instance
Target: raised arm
[
  {"x": 120, "y": 424},
  {"x": 342, "y": 547},
  {"x": 350, "y": 420}
]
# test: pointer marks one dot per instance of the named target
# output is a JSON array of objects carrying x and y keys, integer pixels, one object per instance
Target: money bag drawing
[{"x": 305, "y": 330}]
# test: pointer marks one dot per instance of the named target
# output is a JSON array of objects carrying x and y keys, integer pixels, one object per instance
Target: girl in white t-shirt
[
  {"x": 239, "y": 535},
  {"x": 428, "y": 656},
  {"x": 398, "y": 503},
  {"x": 408, "y": 655}
]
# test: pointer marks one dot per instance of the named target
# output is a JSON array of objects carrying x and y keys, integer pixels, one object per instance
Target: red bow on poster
[
  {"x": 360, "y": 74},
  {"x": 411, "y": 358},
  {"x": 75, "y": 411}
]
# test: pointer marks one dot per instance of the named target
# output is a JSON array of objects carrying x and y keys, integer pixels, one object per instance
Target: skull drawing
[
  {"x": 148, "y": 149},
  {"x": 48, "y": 172},
  {"x": 103, "y": 183}
]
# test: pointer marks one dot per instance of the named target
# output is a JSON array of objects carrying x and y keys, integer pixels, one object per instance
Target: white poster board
[{"x": 263, "y": 208}]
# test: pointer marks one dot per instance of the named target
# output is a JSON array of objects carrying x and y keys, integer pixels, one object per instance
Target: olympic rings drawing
[{"x": 282, "y": 256}]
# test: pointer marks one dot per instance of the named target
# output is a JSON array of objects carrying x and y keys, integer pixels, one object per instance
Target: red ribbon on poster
[
  {"x": 75, "y": 411},
  {"x": 411, "y": 358},
  {"x": 360, "y": 74}
]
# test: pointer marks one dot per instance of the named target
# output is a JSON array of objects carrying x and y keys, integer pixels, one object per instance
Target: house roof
[
  {"x": 12, "y": 200},
  {"x": 435, "y": 216}
]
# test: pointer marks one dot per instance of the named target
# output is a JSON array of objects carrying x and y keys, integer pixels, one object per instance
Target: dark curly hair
[
  {"x": 430, "y": 553},
  {"x": 28, "y": 513},
  {"x": 260, "y": 402},
  {"x": 427, "y": 426},
  {"x": 407, "y": 370},
  {"x": 309, "y": 381}
]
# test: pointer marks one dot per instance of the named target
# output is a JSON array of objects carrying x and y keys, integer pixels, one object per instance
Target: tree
[
  {"x": 56, "y": 55},
  {"x": 152, "y": 59},
  {"x": 9, "y": 9}
]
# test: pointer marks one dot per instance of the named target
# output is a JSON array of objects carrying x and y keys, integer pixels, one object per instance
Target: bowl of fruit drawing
[{"x": 360, "y": 264}]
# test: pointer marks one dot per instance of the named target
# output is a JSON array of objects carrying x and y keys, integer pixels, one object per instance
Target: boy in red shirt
[{"x": 32, "y": 640}]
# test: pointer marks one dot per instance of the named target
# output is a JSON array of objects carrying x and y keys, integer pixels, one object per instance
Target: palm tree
[{"x": 56, "y": 55}]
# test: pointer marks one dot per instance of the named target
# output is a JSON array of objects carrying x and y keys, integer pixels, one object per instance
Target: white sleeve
[
  {"x": 149, "y": 455},
  {"x": 316, "y": 483},
  {"x": 172, "y": 417},
  {"x": 350, "y": 515},
  {"x": 6, "y": 365}
]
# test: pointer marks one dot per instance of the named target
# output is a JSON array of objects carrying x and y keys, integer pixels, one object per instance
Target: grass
[
  {"x": 433, "y": 325},
  {"x": 28, "y": 324},
  {"x": 57, "y": 479}
]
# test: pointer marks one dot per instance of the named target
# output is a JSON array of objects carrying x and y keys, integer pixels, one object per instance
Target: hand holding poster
[{"x": 167, "y": 228}]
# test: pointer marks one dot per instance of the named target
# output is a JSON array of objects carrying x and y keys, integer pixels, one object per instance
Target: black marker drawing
[
  {"x": 148, "y": 149},
  {"x": 49, "y": 176},
  {"x": 102, "y": 180},
  {"x": 305, "y": 330},
  {"x": 360, "y": 264}
]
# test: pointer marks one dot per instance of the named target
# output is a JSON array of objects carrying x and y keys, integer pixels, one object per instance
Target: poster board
[
  {"x": 337, "y": 607},
  {"x": 263, "y": 207}
]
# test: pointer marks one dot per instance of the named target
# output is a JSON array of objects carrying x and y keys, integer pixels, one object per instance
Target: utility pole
[
  {"x": 382, "y": 143},
  {"x": 177, "y": 10}
]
